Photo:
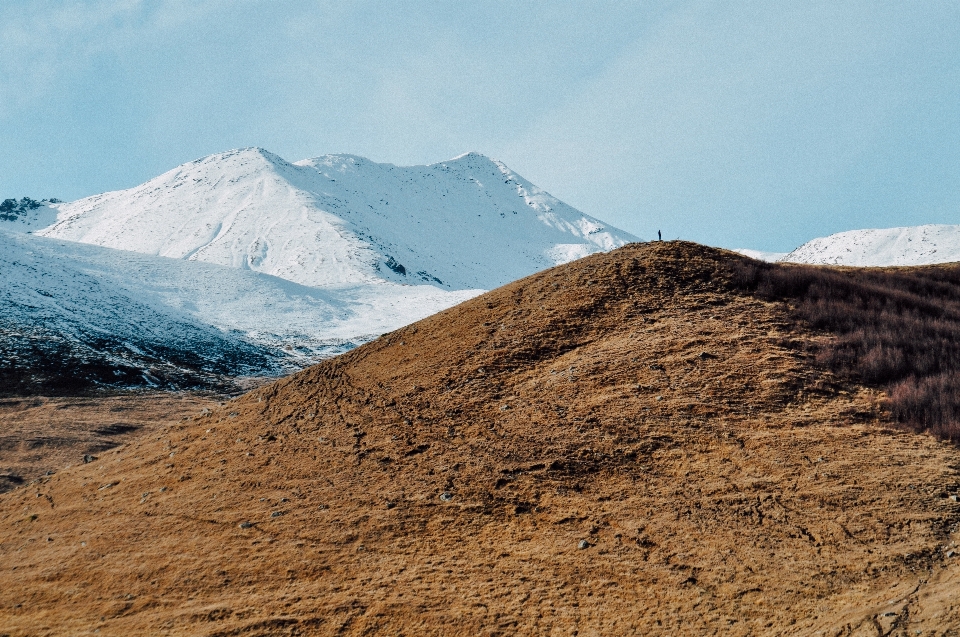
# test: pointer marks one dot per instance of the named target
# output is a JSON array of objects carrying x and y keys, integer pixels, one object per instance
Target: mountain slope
[
  {"x": 916, "y": 245},
  {"x": 63, "y": 328},
  {"x": 463, "y": 224},
  {"x": 628, "y": 444},
  {"x": 85, "y": 296},
  {"x": 27, "y": 214}
]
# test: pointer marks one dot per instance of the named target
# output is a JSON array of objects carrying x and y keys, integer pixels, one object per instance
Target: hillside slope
[
  {"x": 65, "y": 328},
  {"x": 290, "y": 325},
  {"x": 915, "y": 245},
  {"x": 342, "y": 219},
  {"x": 628, "y": 444}
]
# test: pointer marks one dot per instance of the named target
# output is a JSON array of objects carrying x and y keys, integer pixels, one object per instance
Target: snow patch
[
  {"x": 567, "y": 252},
  {"x": 761, "y": 255}
]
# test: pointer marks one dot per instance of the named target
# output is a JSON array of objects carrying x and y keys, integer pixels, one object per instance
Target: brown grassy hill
[
  {"x": 41, "y": 434},
  {"x": 650, "y": 441}
]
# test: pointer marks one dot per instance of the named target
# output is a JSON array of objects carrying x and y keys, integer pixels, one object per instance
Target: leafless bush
[{"x": 897, "y": 328}]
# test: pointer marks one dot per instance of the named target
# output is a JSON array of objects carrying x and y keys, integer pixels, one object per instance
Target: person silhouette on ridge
[{"x": 659, "y": 236}]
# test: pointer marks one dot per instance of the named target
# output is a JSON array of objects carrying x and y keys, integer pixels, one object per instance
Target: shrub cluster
[{"x": 895, "y": 328}]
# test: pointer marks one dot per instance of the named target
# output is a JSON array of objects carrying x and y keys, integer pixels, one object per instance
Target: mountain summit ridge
[{"x": 343, "y": 219}]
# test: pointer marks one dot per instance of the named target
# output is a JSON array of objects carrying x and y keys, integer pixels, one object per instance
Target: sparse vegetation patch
[{"x": 895, "y": 328}]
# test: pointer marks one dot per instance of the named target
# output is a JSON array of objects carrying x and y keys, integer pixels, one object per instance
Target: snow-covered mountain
[
  {"x": 916, "y": 245},
  {"x": 467, "y": 223},
  {"x": 158, "y": 321},
  {"x": 244, "y": 264},
  {"x": 63, "y": 326}
]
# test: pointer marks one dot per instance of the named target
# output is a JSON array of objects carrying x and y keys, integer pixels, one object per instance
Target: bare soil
[{"x": 622, "y": 445}]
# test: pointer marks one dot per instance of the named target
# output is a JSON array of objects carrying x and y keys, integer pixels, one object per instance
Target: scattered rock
[
  {"x": 446, "y": 496},
  {"x": 87, "y": 459},
  {"x": 245, "y": 525},
  {"x": 107, "y": 486},
  {"x": 583, "y": 544},
  {"x": 276, "y": 514}
]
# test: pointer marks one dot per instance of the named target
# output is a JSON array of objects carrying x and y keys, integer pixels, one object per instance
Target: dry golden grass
[
  {"x": 41, "y": 435},
  {"x": 442, "y": 479}
]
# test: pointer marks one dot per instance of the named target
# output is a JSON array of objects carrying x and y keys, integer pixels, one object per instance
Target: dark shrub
[{"x": 896, "y": 328}]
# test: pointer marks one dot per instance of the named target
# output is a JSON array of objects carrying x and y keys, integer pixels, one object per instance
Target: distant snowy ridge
[
  {"x": 27, "y": 214},
  {"x": 761, "y": 255},
  {"x": 916, "y": 245},
  {"x": 467, "y": 223}
]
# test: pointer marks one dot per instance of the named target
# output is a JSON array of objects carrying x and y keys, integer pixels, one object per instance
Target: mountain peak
[
  {"x": 469, "y": 223},
  {"x": 470, "y": 155},
  {"x": 239, "y": 155}
]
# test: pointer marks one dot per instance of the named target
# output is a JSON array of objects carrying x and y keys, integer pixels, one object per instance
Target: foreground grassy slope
[{"x": 637, "y": 442}]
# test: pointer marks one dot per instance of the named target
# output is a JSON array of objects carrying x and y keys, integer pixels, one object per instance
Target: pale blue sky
[{"x": 741, "y": 124}]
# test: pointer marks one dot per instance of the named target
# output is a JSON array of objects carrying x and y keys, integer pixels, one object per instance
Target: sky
[{"x": 737, "y": 124}]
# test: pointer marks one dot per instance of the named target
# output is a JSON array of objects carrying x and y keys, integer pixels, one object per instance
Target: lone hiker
[{"x": 659, "y": 236}]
